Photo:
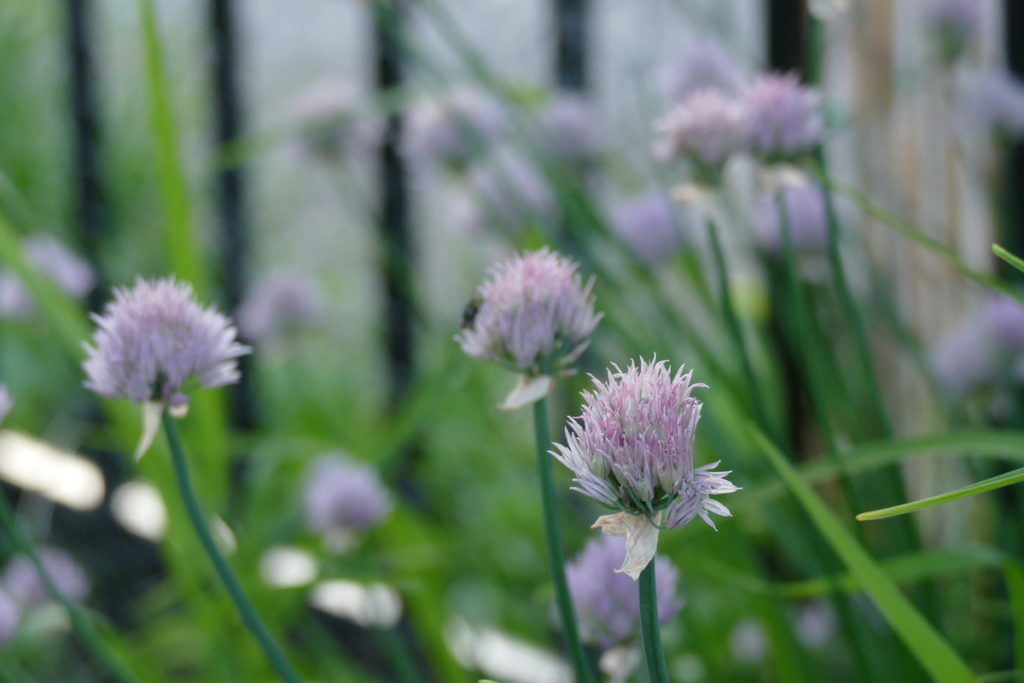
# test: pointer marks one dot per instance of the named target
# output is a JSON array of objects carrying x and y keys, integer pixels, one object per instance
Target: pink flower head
[
  {"x": 534, "y": 314},
  {"x": 784, "y": 118},
  {"x": 632, "y": 446},
  {"x": 607, "y": 603},
  {"x": 706, "y": 130},
  {"x": 153, "y": 338}
]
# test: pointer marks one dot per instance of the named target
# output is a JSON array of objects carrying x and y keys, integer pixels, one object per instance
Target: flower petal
[
  {"x": 151, "y": 412},
  {"x": 641, "y": 540},
  {"x": 526, "y": 391}
]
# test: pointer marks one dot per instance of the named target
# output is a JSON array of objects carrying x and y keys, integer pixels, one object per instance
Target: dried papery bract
[
  {"x": 631, "y": 449},
  {"x": 152, "y": 341},
  {"x": 533, "y": 315}
]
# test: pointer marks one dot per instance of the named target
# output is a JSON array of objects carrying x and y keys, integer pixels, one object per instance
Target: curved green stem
[
  {"x": 553, "y": 534},
  {"x": 81, "y": 624},
  {"x": 657, "y": 670},
  {"x": 245, "y": 608}
]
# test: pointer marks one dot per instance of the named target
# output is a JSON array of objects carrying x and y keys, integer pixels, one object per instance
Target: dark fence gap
[
  {"x": 571, "y": 44},
  {"x": 231, "y": 196},
  {"x": 1013, "y": 179},
  {"x": 786, "y": 27},
  {"x": 89, "y": 215},
  {"x": 393, "y": 199}
]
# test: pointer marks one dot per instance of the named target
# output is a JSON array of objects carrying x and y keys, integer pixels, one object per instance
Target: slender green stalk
[
  {"x": 556, "y": 552},
  {"x": 245, "y": 608},
  {"x": 79, "y": 622},
  {"x": 732, "y": 321},
  {"x": 657, "y": 670}
]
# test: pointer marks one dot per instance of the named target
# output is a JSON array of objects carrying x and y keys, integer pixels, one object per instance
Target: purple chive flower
[
  {"x": 806, "y": 215},
  {"x": 332, "y": 123},
  {"x": 455, "y": 128},
  {"x": 993, "y": 101},
  {"x": 509, "y": 193},
  {"x": 569, "y": 129},
  {"x": 6, "y": 402},
  {"x": 344, "y": 495},
  {"x": 784, "y": 117},
  {"x": 649, "y": 225},
  {"x": 703, "y": 65},
  {"x": 153, "y": 338},
  {"x": 632, "y": 447},
  {"x": 281, "y": 301},
  {"x": 607, "y": 604},
  {"x": 966, "y": 358},
  {"x": 535, "y": 314},
  {"x": 706, "y": 129},
  {"x": 22, "y": 582},
  {"x": 1003, "y": 316},
  {"x": 952, "y": 24},
  {"x": 54, "y": 261},
  {"x": 10, "y": 617}
]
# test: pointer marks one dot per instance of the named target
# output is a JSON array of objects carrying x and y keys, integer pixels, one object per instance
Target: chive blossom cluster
[
  {"x": 153, "y": 339},
  {"x": 632, "y": 447},
  {"x": 534, "y": 314}
]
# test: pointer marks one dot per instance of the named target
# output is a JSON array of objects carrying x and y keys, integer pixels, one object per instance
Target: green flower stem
[
  {"x": 79, "y": 622},
  {"x": 732, "y": 321},
  {"x": 657, "y": 670},
  {"x": 556, "y": 553},
  {"x": 245, "y": 608}
]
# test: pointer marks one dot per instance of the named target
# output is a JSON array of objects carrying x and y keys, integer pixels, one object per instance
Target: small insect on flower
[
  {"x": 152, "y": 341},
  {"x": 631, "y": 449},
  {"x": 533, "y": 315},
  {"x": 470, "y": 312}
]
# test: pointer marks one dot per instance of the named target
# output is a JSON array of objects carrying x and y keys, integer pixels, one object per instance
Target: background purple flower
[
  {"x": 153, "y": 338},
  {"x": 279, "y": 302},
  {"x": 10, "y": 616},
  {"x": 1003, "y": 315},
  {"x": 993, "y": 101},
  {"x": 22, "y": 582},
  {"x": 455, "y": 128},
  {"x": 607, "y": 603},
  {"x": 707, "y": 128},
  {"x": 534, "y": 310},
  {"x": 702, "y": 65},
  {"x": 344, "y": 495},
  {"x": 784, "y": 116},
  {"x": 649, "y": 225},
  {"x": 569, "y": 129},
  {"x": 54, "y": 261},
  {"x": 509, "y": 193},
  {"x": 332, "y": 122},
  {"x": 952, "y": 24},
  {"x": 806, "y": 214}
]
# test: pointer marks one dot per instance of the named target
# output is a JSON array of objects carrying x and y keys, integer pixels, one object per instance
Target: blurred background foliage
[{"x": 452, "y": 585}]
